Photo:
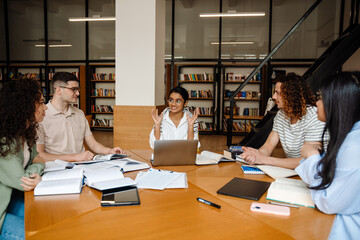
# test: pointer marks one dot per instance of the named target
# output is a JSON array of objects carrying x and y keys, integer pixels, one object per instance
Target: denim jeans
[{"x": 13, "y": 227}]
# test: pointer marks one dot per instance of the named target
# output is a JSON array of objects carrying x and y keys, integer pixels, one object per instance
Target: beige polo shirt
[{"x": 63, "y": 133}]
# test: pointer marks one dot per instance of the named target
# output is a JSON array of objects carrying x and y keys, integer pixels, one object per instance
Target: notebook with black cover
[{"x": 244, "y": 188}]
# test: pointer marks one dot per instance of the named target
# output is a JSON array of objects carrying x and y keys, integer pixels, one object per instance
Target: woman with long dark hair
[
  {"x": 334, "y": 176},
  {"x": 176, "y": 122},
  {"x": 21, "y": 108}
]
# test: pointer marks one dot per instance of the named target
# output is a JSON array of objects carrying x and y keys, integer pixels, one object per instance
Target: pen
[
  {"x": 208, "y": 203},
  {"x": 283, "y": 204}
]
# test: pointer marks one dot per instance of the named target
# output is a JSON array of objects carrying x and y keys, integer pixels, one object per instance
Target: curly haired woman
[
  {"x": 296, "y": 123},
  {"x": 21, "y": 108}
]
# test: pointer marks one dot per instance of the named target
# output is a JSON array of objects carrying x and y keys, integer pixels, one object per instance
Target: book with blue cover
[{"x": 251, "y": 170}]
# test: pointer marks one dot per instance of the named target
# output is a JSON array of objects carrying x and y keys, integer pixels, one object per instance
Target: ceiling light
[
  {"x": 91, "y": 19},
  {"x": 233, "y": 14},
  {"x": 54, "y": 45},
  {"x": 232, "y": 42}
]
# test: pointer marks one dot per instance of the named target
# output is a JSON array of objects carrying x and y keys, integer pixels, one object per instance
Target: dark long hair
[
  {"x": 17, "y": 111},
  {"x": 341, "y": 98}
]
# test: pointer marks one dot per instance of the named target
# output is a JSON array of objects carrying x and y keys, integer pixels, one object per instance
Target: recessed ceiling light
[
  {"x": 233, "y": 14},
  {"x": 232, "y": 42},
  {"x": 91, "y": 19}
]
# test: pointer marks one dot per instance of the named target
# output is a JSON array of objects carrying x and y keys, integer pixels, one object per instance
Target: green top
[{"x": 11, "y": 171}]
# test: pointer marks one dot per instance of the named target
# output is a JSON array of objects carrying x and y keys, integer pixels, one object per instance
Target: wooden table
[{"x": 171, "y": 213}]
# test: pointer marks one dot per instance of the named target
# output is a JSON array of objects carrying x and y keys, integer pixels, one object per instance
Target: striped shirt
[{"x": 293, "y": 136}]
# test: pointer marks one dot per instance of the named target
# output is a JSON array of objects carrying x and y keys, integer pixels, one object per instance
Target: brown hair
[{"x": 296, "y": 95}]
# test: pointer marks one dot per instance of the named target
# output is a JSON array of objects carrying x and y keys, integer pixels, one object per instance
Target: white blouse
[{"x": 168, "y": 130}]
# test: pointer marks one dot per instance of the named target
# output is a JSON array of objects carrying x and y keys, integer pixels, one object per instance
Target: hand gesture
[
  {"x": 309, "y": 150},
  {"x": 191, "y": 120},
  {"x": 155, "y": 115},
  {"x": 29, "y": 183}
]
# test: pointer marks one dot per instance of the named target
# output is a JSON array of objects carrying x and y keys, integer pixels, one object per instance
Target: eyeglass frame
[
  {"x": 74, "y": 89},
  {"x": 177, "y": 101},
  {"x": 318, "y": 96}
]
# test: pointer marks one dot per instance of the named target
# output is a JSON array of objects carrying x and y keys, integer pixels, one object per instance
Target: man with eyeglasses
[{"x": 64, "y": 129}]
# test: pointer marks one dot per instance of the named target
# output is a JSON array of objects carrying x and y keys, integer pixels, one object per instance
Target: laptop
[{"x": 174, "y": 152}]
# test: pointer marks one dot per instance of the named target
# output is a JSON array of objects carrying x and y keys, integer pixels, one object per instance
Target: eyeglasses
[
  {"x": 177, "y": 101},
  {"x": 318, "y": 95},
  {"x": 74, "y": 89}
]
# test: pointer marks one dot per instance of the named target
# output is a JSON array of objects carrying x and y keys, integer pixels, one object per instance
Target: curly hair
[
  {"x": 18, "y": 100},
  {"x": 296, "y": 95}
]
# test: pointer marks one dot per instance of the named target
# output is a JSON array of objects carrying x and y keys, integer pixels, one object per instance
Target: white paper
[
  {"x": 160, "y": 179},
  {"x": 116, "y": 183}
]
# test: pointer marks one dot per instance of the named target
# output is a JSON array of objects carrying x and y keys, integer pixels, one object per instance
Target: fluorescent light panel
[
  {"x": 233, "y": 42},
  {"x": 91, "y": 19},
  {"x": 233, "y": 14},
  {"x": 53, "y": 45}
]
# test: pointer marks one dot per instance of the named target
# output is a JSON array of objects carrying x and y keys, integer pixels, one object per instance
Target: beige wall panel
[{"x": 132, "y": 126}]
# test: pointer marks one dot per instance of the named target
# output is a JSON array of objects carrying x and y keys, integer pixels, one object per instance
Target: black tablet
[
  {"x": 120, "y": 197},
  {"x": 244, "y": 188}
]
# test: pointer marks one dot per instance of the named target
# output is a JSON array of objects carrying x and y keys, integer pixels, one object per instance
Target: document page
[
  {"x": 108, "y": 174},
  {"x": 64, "y": 174}
]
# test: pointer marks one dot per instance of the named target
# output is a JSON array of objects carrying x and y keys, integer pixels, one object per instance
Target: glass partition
[
  {"x": 2, "y": 35},
  {"x": 245, "y": 37},
  {"x": 26, "y": 30},
  {"x": 194, "y": 35},
  {"x": 168, "y": 32},
  {"x": 102, "y": 34},
  {"x": 66, "y": 39},
  {"x": 313, "y": 36}
]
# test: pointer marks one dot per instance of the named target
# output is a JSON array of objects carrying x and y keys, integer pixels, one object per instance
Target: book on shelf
[
  {"x": 104, "y": 122},
  {"x": 67, "y": 181},
  {"x": 103, "y": 92},
  {"x": 101, "y": 108},
  {"x": 293, "y": 191},
  {"x": 200, "y": 94},
  {"x": 206, "y": 126},
  {"x": 202, "y": 110},
  {"x": 196, "y": 77},
  {"x": 241, "y": 77},
  {"x": 207, "y": 157},
  {"x": 103, "y": 76}
]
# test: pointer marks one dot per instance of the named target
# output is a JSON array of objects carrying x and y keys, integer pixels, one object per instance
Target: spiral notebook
[{"x": 251, "y": 170}]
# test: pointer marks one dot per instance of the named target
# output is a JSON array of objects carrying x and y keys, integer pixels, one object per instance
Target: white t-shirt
[
  {"x": 168, "y": 130},
  {"x": 293, "y": 136}
]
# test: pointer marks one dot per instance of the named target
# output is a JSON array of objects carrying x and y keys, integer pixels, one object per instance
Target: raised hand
[
  {"x": 191, "y": 120},
  {"x": 155, "y": 115}
]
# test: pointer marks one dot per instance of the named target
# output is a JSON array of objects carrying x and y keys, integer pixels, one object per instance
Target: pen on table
[
  {"x": 208, "y": 203},
  {"x": 284, "y": 204}
]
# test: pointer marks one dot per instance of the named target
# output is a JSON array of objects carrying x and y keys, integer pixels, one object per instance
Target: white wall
[{"x": 139, "y": 52}]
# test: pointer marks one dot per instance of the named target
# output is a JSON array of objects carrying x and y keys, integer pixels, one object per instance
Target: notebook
[
  {"x": 244, "y": 188},
  {"x": 251, "y": 170},
  {"x": 174, "y": 152}
]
